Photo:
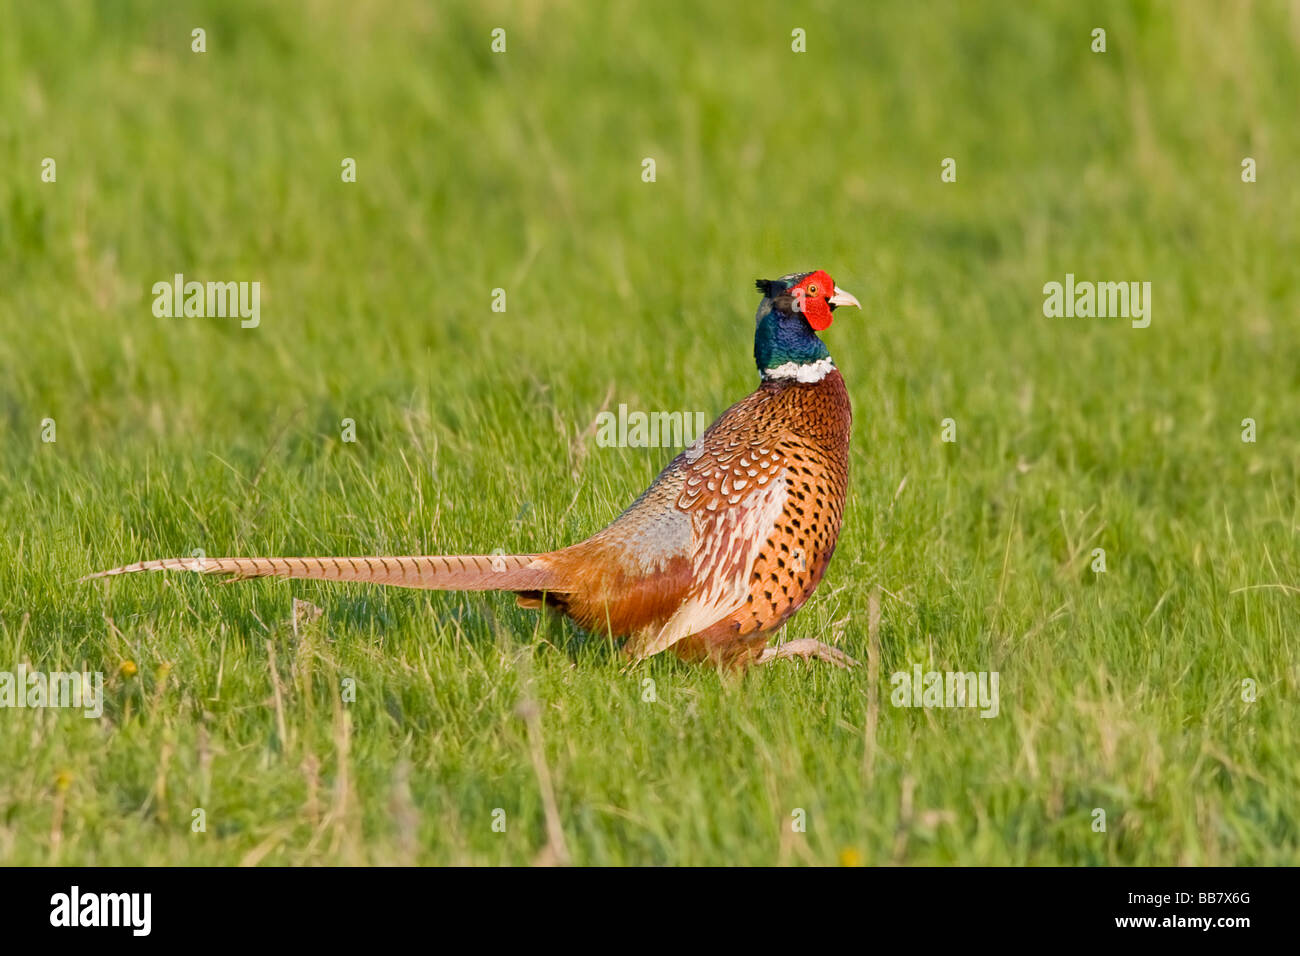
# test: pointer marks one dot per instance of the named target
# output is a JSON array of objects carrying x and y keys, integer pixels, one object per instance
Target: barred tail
[{"x": 470, "y": 572}]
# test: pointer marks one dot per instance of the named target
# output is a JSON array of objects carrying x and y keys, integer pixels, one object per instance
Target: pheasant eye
[{"x": 812, "y": 290}]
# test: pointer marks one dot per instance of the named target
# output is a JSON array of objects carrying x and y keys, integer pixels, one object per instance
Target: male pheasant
[{"x": 724, "y": 546}]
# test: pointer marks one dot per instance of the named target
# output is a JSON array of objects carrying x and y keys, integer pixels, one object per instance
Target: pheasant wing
[{"x": 734, "y": 493}]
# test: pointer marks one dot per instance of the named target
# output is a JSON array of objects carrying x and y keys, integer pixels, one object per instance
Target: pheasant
[{"x": 725, "y": 545}]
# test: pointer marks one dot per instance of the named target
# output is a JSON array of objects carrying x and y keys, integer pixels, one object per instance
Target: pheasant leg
[{"x": 808, "y": 649}]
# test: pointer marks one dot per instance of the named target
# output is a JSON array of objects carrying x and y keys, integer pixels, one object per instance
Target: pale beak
[{"x": 844, "y": 298}]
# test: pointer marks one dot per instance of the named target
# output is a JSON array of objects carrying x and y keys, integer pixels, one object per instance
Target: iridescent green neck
[{"x": 782, "y": 340}]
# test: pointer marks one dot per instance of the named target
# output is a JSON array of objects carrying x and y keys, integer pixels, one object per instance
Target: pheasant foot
[{"x": 808, "y": 649}]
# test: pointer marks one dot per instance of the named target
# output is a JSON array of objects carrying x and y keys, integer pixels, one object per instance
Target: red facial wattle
[{"x": 817, "y": 312}]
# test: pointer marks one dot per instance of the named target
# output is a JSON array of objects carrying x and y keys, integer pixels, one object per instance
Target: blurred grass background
[{"x": 522, "y": 171}]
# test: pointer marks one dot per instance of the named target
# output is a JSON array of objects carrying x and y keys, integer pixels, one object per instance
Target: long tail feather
[{"x": 470, "y": 572}]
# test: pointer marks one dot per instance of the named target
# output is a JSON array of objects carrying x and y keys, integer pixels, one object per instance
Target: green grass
[{"x": 1120, "y": 691}]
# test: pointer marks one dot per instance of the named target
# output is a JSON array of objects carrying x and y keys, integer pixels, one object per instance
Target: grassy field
[{"x": 1120, "y": 691}]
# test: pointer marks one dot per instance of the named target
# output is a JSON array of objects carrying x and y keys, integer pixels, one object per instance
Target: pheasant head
[{"x": 794, "y": 309}]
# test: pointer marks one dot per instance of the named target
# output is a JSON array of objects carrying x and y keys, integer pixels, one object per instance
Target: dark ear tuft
[{"x": 770, "y": 288}]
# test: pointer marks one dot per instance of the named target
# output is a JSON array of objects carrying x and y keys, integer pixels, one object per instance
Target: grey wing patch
[{"x": 652, "y": 531}]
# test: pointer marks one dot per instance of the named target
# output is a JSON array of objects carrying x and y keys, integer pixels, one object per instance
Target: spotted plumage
[{"x": 730, "y": 539}]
